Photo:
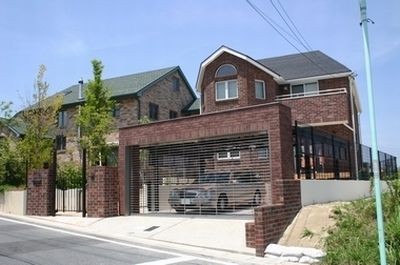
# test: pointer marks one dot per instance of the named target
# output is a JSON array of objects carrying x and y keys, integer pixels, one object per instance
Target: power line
[
  {"x": 276, "y": 25},
  {"x": 302, "y": 42},
  {"x": 294, "y": 25},
  {"x": 266, "y": 19}
]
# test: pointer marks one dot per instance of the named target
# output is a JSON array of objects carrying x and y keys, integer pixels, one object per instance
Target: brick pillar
[
  {"x": 270, "y": 221},
  {"x": 102, "y": 192},
  {"x": 41, "y": 193}
]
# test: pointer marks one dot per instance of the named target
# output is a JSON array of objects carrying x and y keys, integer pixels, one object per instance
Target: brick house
[
  {"x": 159, "y": 94},
  {"x": 276, "y": 120},
  {"x": 320, "y": 92}
]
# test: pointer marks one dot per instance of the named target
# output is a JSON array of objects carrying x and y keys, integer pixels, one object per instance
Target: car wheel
[
  {"x": 257, "y": 199},
  {"x": 222, "y": 204}
]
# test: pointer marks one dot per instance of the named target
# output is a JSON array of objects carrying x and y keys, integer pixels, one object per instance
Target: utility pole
[{"x": 371, "y": 107}]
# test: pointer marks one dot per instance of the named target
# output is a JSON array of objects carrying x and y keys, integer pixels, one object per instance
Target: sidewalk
[{"x": 221, "y": 238}]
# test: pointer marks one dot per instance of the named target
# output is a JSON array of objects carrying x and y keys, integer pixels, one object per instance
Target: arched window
[{"x": 226, "y": 70}]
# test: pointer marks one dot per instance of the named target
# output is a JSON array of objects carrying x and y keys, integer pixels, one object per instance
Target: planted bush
[
  {"x": 69, "y": 176},
  {"x": 354, "y": 239}
]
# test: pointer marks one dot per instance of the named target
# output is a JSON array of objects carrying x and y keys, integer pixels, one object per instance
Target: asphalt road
[{"x": 23, "y": 243}]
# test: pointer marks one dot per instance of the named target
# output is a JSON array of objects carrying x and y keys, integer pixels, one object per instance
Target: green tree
[
  {"x": 39, "y": 119},
  {"x": 11, "y": 164},
  {"x": 95, "y": 117}
]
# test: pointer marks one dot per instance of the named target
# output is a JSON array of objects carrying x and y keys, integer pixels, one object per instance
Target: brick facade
[
  {"x": 41, "y": 192},
  {"x": 102, "y": 192},
  {"x": 132, "y": 109},
  {"x": 247, "y": 74},
  {"x": 273, "y": 118}
]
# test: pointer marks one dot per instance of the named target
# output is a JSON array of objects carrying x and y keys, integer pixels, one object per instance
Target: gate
[
  {"x": 227, "y": 176},
  {"x": 69, "y": 195}
]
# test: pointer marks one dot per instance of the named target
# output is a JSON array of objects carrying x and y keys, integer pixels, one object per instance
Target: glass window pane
[
  {"x": 222, "y": 154},
  {"x": 297, "y": 89},
  {"x": 226, "y": 70},
  {"x": 235, "y": 154},
  {"x": 260, "y": 92},
  {"x": 232, "y": 89},
  {"x": 311, "y": 88},
  {"x": 221, "y": 90}
]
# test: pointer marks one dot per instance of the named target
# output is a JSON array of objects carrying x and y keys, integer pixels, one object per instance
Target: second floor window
[
  {"x": 175, "y": 84},
  {"x": 260, "y": 89},
  {"x": 153, "y": 111},
  {"x": 173, "y": 114},
  {"x": 226, "y": 90},
  {"x": 306, "y": 89},
  {"x": 116, "y": 111},
  {"x": 62, "y": 119}
]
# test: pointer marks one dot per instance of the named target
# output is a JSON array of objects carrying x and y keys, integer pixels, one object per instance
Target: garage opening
[{"x": 227, "y": 175}]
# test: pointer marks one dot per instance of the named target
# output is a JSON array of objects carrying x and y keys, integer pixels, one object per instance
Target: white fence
[
  {"x": 323, "y": 191},
  {"x": 13, "y": 202}
]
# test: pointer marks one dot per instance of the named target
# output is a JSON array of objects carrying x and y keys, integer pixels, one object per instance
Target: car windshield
[{"x": 213, "y": 178}]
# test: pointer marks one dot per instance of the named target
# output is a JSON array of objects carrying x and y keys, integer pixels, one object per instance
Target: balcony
[{"x": 325, "y": 92}]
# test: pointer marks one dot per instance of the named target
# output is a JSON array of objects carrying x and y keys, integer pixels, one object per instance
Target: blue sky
[{"x": 134, "y": 36}]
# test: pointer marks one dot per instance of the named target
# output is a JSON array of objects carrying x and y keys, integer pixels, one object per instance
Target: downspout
[{"x": 355, "y": 145}]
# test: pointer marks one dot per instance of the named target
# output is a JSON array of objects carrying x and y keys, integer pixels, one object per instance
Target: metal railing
[
  {"x": 387, "y": 163},
  {"x": 325, "y": 92}
]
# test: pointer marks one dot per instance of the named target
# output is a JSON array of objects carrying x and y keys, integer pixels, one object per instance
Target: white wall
[
  {"x": 13, "y": 202},
  {"x": 323, "y": 191}
]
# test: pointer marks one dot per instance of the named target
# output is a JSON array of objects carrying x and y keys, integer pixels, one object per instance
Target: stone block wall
[
  {"x": 41, "y": 193},
  {"x": 102, "y": 192}
]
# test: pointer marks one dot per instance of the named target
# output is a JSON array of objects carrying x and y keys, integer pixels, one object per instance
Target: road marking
[
  {"x": 167, "y": 261},
  {"x": 189, "y": 257}
]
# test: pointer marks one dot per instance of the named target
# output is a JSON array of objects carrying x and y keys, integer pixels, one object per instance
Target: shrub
[
  {"x": 69, "y": 176},
  {"x": 354, "y": 239},
  {"x": 12, "y": 167}
]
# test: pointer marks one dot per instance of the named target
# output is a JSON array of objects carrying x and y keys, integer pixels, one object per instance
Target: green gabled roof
[
  {"x": 15, "y": 125},
  {"x": 193, "y": 107},
  {"x": 127, "y": 85}
]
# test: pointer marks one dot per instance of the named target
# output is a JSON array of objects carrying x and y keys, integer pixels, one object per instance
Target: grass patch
[{"x": 354, "y": 239}]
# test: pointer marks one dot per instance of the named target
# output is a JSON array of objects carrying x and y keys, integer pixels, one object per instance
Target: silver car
[{"x": 218, "y": 190}]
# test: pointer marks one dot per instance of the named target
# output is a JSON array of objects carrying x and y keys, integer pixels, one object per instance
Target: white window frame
[
  {"x": 255, "y": 88},
  {"x": 229, "y": 155},
  {"x": 304, "y": 93},
  {"x": 226, "y": 82},
  {"x": 227, "y": 64}
]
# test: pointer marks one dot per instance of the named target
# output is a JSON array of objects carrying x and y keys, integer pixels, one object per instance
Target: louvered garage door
[{"x": 228, "y": 175}]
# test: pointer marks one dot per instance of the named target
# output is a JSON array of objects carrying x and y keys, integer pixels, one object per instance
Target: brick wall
[
  {"x": 318, "y": 109},
  {"x": 102, "y": 192},
  {"x": 270, "y": 221},
  {"x": 166, "y": 97},
  {"x": 273, "y": 118},
  {"x": 41, "y": 193}
]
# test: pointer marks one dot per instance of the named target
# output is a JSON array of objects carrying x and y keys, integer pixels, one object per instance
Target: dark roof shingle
[{"x": 303, "y": 65}]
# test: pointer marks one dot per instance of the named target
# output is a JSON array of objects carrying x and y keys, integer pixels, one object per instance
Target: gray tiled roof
[
  {"x": 121, "y": 86},
  {"x": 309, "y": 64}
]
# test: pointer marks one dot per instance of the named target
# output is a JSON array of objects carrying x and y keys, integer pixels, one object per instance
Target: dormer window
[{"x": 226, "y": 70}]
